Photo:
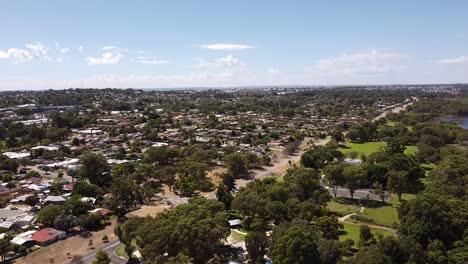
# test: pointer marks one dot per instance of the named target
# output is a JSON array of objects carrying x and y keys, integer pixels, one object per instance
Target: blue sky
[{"x": 152, "y": 44}]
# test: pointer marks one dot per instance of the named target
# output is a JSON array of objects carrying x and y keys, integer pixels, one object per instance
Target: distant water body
[{"x": 462, "y": 121}]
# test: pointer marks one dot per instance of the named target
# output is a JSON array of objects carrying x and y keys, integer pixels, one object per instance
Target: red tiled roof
[{"x": 45, "y": 234}]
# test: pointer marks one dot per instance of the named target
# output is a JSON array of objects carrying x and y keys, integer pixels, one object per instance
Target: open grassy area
[
  {"x": 363, "y": 148},
  {"x": 386, "y": 215},
  {"x": 342, "y": 209},
  {"x": 390, "y": 123},
  {"x": 411, "y": 150},
  {"x": 237, "y": 236},
  {"x": 371, "y": 147},
  {"x": 120, "y": 251},
  {"x": 351, "y": 231}
]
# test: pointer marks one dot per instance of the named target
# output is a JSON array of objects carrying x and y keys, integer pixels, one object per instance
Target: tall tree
[
  {"x": 355, "y": 178},
  {"x": 334, "y": 176},
  {"x": 256, "y": 244},
  {"x": 295, "y": 246},
  {"x": 94, "y": 167},
  {"x": 236, "y": 165}
]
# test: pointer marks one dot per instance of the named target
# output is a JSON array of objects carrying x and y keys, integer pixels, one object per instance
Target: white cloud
[
  {"x": 150, "y": 60},
  {"x": 372, "y": 62},
  {"x": 459, "y": 60},
  {"x": 220, "y": 46},
  {"x": 109, "y": 48},
  {"x": 38, "y": 49},
  {"x": 227, "y": 61},
  {"x": 64, "y": 50},
  {"x": 18, "y": 55},
  {"x": 273, "y": 71},
  {"x": 15, "y": 54},
  {"x": 106, "y": 58}
]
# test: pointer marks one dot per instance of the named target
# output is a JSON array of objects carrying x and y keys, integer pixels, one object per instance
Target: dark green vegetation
[
  {"x": 176, "y": 139},
  {"x": 194, "y": 231}
]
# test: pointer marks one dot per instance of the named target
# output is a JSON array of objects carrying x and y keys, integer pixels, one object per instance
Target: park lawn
[
  {"x": 238, "y": 237},
  {"x": 411, "y": 150},
  {"x": 278, "y": 178},
  {"x": 371, "y": 147},
  {"x": 363, "y": 148},
  {"x": 342, "y": 209},
  {"x": 386, "y": 215},
  {"x": 390, "y": 123},
  {"x": 351, "y": 231},
  {"x": 120, "y": 251}
]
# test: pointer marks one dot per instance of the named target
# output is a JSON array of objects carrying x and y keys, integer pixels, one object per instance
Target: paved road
[
  {"x": 110, "y": 249},
  {"x": 363, "y": 194},
  {"x": 395, "y": 109}
]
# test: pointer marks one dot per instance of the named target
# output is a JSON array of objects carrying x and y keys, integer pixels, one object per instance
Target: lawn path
[{"x": 346, "y": 217}]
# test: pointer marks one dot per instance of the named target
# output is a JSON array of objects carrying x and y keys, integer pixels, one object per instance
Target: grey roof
[{"x": 7, "y": 213}]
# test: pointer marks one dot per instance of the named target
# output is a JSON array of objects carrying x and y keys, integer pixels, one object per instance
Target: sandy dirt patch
[{"x": 75, "y": 245}]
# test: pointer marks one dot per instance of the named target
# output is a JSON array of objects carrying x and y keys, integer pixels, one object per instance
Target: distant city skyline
[{"x": 170, "y": 44}]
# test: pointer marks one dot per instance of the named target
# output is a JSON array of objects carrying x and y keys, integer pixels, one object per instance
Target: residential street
[{"x": 110, "y": 249}]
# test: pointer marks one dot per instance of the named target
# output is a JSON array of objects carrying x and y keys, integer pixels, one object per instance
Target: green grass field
[
  {"x": 390, "y": 123},
  {"x": 238, "y": 237},
  {"x": 386, "y": 215},
  {"x": 120, "y": 251},
  {"x": 351, "y": 231},
  {"x": 371, "y": 147},
  {"x": 342, "y": 209}
]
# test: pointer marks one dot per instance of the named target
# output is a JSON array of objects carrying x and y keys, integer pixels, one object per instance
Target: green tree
[
  {"x": 196, "y": 229},
  {"x": 5, "y": 247},
  {"x": 431, "y": 217},
  {"x": 329, "y": 227},
  {"x": 305, "y": 184},
  {"x": 295, "y": 246},
  {"x": 236, "y": 165},
  {"x": 224, "y": 196},
  {"x": 256, "y": 244},
  {"x": 397, "y": 182},
  {"x": 64, "y": 222},
  {"x": 125, "y": 195},
  {"x": 127, "y": 234},
  {"x": 365, "y": 236},
  {"x": 75, "y": 206},
  {"x": 48, "y": 214},
  {"x": 355, "y": 178},
  {"x": 334, "y": 176},
  {"x": 85, "y": 189},
  {"x": 94, "y": 167},
  {"x": 32, "y": 200},
  {"x": 102, "y": 258},
  {"x": 337, "y": 136},
  {"x": 160, "y": 155}
]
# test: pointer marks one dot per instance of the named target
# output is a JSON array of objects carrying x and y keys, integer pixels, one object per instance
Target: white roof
[
  {"x": 54, "y": 199},
  {"x": 36, "y": 187},
  {"x": 20, "y": 240},
  {"x": 234, "y": 222},
  {"x": 7, "y": 223},
  {"x": 88, "y": 199},
  {"x": 46, "y": 148},
  {"x": 16, "y": 155},
  {"x": 90, "y": 131},
  {"x": 63, "y": 163},
  {"x": 159, "y": 144},
  {"x": 116, "y": 161}
]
